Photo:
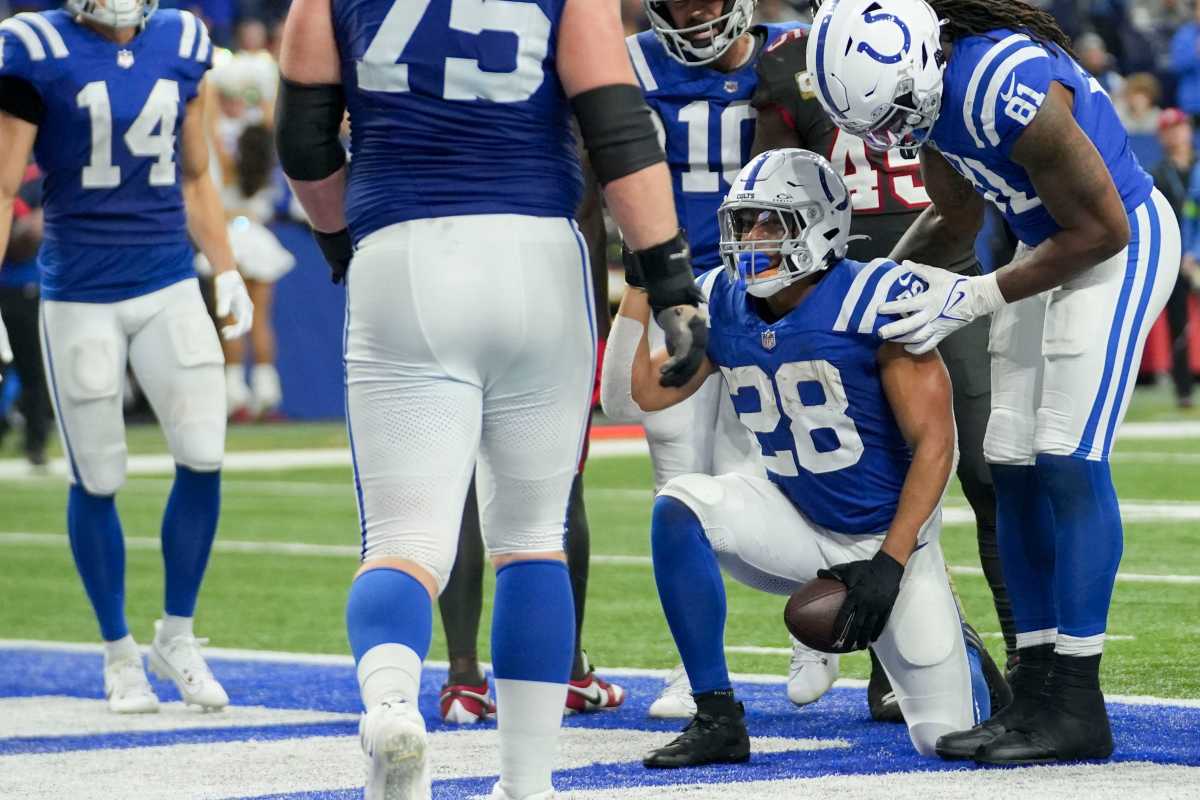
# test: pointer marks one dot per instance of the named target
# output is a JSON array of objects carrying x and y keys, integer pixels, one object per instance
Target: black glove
[
  {"x": 665, "y": 271},
  {"x": 338, "y": 249},
  {"x": 872, "y": 587}
]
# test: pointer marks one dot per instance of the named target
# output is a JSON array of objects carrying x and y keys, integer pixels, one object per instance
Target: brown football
[{"x": 811, "y": 611}]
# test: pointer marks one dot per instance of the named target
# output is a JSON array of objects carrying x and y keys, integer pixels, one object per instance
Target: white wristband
[{"x": 986, "y": 296}]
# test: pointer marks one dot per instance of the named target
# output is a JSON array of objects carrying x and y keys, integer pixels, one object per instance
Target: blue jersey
[
  {"x": 108, "y": 144},
  {"x": 994, "y": 84},
  {"x": 455, "y": 108},
  {"x": 808, "y": 387},
  {"x": 708, "y": 124}
]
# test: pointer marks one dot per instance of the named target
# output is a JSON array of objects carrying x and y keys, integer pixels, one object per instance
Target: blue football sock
[
  {"x": 188, "y": 527},
  {"x": 99, "y": 550},
  {"x": 533, "y": 624},
  {"x": 981, "y": 696},
  {"x": 387, "y": 606},
  {"x": 691, "y": 592},
  {"x": 533, "y": 646},
  {"x": 1025, "y": 532},
  {"x": 1090, "y": 540}
]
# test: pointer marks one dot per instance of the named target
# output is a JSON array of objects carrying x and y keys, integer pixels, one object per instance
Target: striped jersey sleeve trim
[
  {"x": 987, "y": 116},
  {"x": 640, "y": 65},
  {"x": 977, "y": 77},
  {"x": 867, "y": 325},
  {"x": 850, "y": 301},
  {"x": 707, "y": 281},
  {"x": 202, "y": 50},
  {"x": 187, "y": 39},
  {"x": 58, "y": 48},
  {"x": 33, "y": 45}
]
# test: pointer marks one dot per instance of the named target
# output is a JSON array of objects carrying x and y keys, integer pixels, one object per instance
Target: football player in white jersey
[{"x": 109, "y": 97}]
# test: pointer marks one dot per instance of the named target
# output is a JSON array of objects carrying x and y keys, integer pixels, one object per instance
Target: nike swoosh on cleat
[{"x": 595, "y": 697}]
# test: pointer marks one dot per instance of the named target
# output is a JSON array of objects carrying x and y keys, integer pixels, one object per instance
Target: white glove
[
  {"x": 5, "y": 350},
  {"x": 950, "y": 302},
  {"x": 232, "y": 298}
]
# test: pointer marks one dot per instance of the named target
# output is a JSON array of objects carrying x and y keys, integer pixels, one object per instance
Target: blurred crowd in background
[{"x": 1145, "y": 53}]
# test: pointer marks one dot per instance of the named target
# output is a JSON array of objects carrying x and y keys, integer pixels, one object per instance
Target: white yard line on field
[{"x": 353, "y": 551}]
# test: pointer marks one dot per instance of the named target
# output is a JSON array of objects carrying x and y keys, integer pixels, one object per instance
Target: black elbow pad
[
  {"x": 618, "y": 131},
  {"x": 308, "y": 118}
]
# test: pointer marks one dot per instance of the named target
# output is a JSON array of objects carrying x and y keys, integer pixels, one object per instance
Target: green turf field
[{"x": 295, "y": 601}]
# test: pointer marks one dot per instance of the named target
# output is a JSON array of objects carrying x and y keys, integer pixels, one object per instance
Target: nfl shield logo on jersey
[
  {"x": 731, "y": 86},
  {"x": 768, "y": 339},
  {"x": 124, "y": 59}
]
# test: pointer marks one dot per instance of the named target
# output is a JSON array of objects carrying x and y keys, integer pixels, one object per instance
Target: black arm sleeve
[
  {"x": 307, "y": 120},
  {"x": 19, "y": 98},
  {"x": 617, "y": 130}
]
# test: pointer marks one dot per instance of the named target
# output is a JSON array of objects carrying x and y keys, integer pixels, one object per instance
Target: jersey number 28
[
  {"x": 803, "y": 420},
  {"x": 152, "y": 134}
]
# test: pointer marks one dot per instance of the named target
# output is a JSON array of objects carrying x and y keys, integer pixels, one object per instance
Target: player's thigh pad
[
  {"x": 177, "y": 359},
  {"x": 1096, "y": 327},
  {"x": 416, "y": 323},
  {"x": 759, "y": 537},
  {"x": 1015, "y": 345},
  {"x": 538, "y": 370},
  {"x": 85, "y": 348},
  {"x": 922, "y": 651}
]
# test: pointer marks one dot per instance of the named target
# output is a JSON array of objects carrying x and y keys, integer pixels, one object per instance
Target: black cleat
[
  {"x": 881, "y": 700},
  {"x": 1071, "y": 723},
  {"x": 707, "y": 739},
  {"x": 1028, "y": 684},
  {"x": 999, "y": 693}
]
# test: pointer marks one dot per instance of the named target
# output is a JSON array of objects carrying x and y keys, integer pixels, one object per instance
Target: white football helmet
[
  {"x": 801, "y": 209},
  {"x": 879, "y": 65},
  {"x": 114, "y": 13},
  {"x": 734, "y": 20}
]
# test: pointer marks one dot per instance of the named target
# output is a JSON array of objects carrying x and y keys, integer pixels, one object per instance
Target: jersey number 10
[{"x": 158, "y": 114}]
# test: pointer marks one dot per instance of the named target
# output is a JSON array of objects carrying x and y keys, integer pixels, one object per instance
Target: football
[{"x": 811, "y": 611}]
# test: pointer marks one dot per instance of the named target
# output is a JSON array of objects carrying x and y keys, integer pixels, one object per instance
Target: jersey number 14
[{"x": 152, "y": 134}]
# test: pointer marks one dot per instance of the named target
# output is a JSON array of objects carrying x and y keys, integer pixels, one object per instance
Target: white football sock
[
  {"x": 529, "y": 715},
  {"x": 390, "y": 670},
  {"x": 122, "y": 649},
  {"x": 173, "y": 626}
]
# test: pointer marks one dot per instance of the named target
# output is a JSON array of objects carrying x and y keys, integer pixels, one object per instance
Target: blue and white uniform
[
  {"x": 1064, "y": 362},
  {"x": 808, "y": 387},
  {"x": 706, "y": 124},
  {"x": 118, "y": 285},
  {"x": 469, "y": 329}
]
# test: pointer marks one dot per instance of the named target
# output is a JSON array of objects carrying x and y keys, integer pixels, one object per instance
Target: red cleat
[
  {"x": 462, "y": 704},
  {"x": 592, "y": 693}
]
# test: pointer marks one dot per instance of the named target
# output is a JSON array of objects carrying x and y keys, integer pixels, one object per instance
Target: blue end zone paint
[{"x": 1161, "y": 734}]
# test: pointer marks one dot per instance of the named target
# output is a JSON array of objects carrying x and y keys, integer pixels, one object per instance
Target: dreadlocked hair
[{"x": 977, "y": 17}]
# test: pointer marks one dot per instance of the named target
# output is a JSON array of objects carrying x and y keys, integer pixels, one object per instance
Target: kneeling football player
[{"x": 859, "y": 443}]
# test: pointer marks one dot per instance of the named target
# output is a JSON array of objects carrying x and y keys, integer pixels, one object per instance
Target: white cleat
[
  {"x": 810, "y": 674},
  {"x": 126, "y": 687},
  {"x": 394, "y": 740},
  {"x": 179, "y": 661},
  {"x": 500, "y": 794},
  {"x": 675, "y": 701}
]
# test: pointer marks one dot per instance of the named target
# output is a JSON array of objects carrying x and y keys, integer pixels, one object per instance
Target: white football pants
[
  {"x": 762, "y": 541},
  {"x": 1064, "y": 362},
  {"x": 169, "y": 340},
  {"x": 467, "y": 337}
]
